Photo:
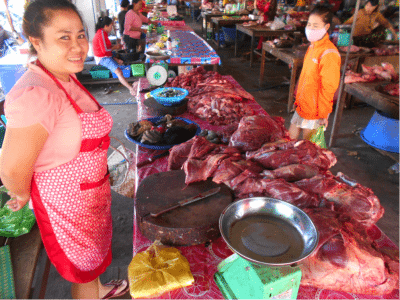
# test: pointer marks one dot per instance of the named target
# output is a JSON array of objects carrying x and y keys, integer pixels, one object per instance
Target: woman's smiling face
[{"x": 63, "y": 47}]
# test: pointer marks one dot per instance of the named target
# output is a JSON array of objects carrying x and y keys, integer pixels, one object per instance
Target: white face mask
[{"x": 314, "y": 35}]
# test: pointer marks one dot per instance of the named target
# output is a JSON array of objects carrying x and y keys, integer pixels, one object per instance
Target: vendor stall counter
[
  {"x": 204, "y": 258},
  {"x": 257, "y": 31}
]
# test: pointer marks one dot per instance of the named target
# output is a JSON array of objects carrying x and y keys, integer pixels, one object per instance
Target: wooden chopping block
[
  {"x": 157, "y": 109},
  {"x": 192, "y": 224}
]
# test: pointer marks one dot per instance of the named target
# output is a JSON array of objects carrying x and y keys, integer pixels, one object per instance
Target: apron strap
[{"x": 73, "y": 103}]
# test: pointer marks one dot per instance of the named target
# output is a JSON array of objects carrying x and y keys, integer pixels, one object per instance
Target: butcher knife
[{"x": 188, "y": 201}]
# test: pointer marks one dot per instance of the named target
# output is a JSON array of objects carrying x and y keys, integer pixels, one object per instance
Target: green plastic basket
[
  {"x": 99, "y": 72},
  {"x": 138, "y": 70},
  {"x": 7, "y": 288}
]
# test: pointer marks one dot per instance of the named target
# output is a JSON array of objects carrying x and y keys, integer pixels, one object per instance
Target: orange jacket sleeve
[{"x": 329, "y": 70}]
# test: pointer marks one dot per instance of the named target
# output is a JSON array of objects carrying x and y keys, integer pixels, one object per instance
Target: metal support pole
[{"x": 340, "y": 104}]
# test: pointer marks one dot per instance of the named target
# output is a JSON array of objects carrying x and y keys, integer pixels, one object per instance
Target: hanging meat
[{"x": 347, "y": 259}]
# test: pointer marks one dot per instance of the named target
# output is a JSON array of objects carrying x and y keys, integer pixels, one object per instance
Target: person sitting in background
[
  {"x": 133, "y": 32},
  {"x": 103, "y": 51},
  {"x": 121, "y": 17},
  {"x": 370, "y": 25}
]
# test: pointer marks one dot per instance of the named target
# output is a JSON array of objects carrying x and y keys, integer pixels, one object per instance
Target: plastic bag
[
  {"x": 157, "y": 270},
  {"x": 277, "y": 24},
  {"x": 318, "y": 137},
  {"x": 14, "y": 223}
]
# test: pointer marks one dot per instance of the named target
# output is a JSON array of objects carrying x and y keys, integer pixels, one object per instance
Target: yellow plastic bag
[
  {"x": 318, "y": 137},
  {"x": 157, "y": 270}
]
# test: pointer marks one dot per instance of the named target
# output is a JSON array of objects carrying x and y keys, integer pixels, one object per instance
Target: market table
[
  {"x": 221, "y": 21},
  {"x": 295, "y": 59},
  {"x": 193, "y": 50},
  {"x": 206, "y": 16},
  {"x": 204, "y": 259},
  {"x": 257, "y": 31},
  {"x": 366, "y": 92}
]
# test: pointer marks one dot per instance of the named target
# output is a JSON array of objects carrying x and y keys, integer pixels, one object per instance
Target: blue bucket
[
  {"x": 9, "y": 75},
  {"x": 382, "y": 132}
]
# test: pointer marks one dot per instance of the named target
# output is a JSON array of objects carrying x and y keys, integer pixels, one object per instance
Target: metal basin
[{"x": 268, "y": 231}]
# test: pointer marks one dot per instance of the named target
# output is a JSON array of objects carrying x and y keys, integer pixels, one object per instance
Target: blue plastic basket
[
  {"x": 126, "y": 72},
  {"x": 230, "y": 34},
  {"x": 169, "y": 101}
]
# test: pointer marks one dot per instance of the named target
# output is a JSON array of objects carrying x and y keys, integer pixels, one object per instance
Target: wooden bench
[{"x": 25, "y": 251}]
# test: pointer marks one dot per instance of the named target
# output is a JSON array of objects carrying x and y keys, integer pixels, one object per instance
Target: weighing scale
[
  {"x": 268, "y": 237},
  {"x": 238, "y": 278},
  {"x": 157, "y": 74}
]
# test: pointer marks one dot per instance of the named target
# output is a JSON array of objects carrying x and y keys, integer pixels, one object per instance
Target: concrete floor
[{"x": 355, "y": 158}]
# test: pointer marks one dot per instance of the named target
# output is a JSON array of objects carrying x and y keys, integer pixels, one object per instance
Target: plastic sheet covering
[
  {"x": 14, "y": 224},
  {"x": 157, "y": 270}
]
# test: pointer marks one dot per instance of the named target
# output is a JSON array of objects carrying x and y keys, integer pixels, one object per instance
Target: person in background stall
[
  {"x": 267, "y": 11},
  {"x": 121, "y": 17},
  {"x": 54, "y": 154},
  {"x": 370, "y": 25},
  {"x": 319, "y": 78},
  {"x": 103, "y": 51},
  {"x": 134, "y": 35}
]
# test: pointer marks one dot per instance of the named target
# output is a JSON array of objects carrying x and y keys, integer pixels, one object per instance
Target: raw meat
[
  {"x": 212, "y": 97},
  {"x": 254, "y": 131},
  {"x": 233, "y": 166},
  {"x": 347, "y": 259},
  {"x": 299, "y": 152},
  {"x": 384, "y": 72},
  {"x": 292, "y": 172},
  {"x": 389, "y": 68},
  {"x": 248, "y": 184},
  {"x": 178, "y": 154},
  {"x": 392, "y": 89},
  {"x": 356, "y": 200},
  {"x": 353, "y": 49}
]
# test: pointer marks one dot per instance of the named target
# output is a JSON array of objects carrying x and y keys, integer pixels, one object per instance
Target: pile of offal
[{"x": 166, "y": 131}]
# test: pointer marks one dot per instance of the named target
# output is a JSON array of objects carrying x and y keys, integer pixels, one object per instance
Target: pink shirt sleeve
[
  {"x": 133, "y": 20},
  {"x": 29, "y": 105}
]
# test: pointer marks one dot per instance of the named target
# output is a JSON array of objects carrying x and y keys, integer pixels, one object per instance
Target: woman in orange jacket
[{"x": 319, "y": 78}]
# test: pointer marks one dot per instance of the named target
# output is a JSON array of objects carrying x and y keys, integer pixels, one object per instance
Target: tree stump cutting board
[{"x": 193, "y": 224}]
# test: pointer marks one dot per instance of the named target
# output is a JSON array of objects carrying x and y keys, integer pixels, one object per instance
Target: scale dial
[{"x": 157, "y": 75}]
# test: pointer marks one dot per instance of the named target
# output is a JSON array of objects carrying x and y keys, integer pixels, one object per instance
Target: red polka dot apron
[{"x": 72, "y": 202}]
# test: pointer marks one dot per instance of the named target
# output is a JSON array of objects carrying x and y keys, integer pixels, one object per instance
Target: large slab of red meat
[
  {"x": 293, "y": 152},
  {"x": 356, "y": 200},
  {"x": 347, "y": 259},
  {"x": 254, "y": 131}
]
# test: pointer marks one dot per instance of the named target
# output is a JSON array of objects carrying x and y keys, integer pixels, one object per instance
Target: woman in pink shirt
[
  {"x": 54, "y": 153},
  {"x": 133, "y": 32}
]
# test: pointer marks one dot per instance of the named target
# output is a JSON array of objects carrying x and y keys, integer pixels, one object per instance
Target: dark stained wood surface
[{"x": 192, "y": 224}]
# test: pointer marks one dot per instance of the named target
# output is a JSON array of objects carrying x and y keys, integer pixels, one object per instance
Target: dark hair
[
  {"x": 324, "y": 11},
  {"x": 135, "y": 1},
  {"x": 272, "y": 10},
  {"x": 124, "y": 3},
  {"x": 103, "y": 21},
  {"x": 130, "y": 6},
  {"x": 373, "y": 2},
  {"x": 37, "y": 16}
]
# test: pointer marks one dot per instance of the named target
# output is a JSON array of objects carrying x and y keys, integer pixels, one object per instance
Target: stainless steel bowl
[{"x": 268, "y": 231}]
